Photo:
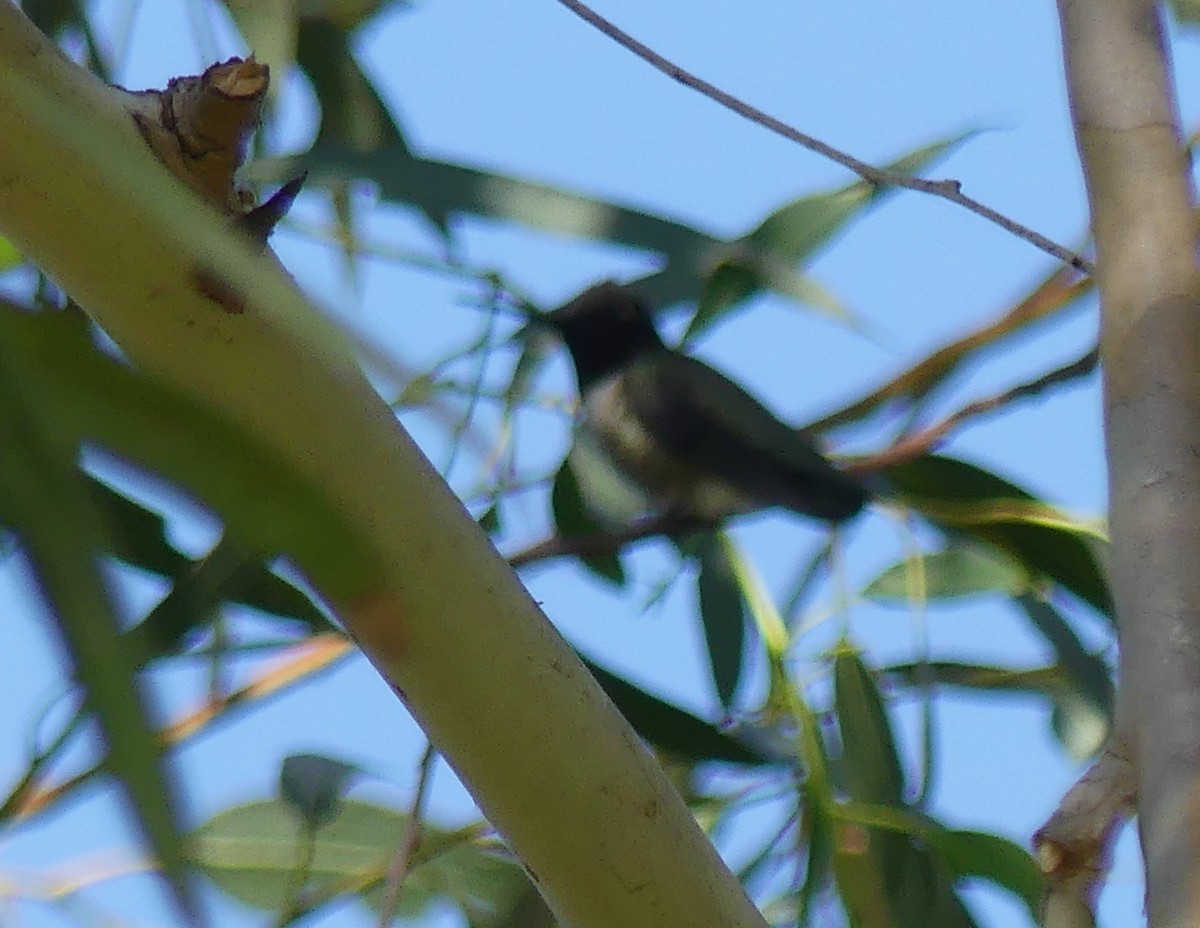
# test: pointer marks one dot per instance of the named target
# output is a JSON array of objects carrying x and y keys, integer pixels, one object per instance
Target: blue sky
[{"x": 528, "y": 89}]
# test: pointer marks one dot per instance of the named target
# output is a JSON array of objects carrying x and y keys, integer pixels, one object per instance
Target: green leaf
[
  {"x": 723, "y": 615},
  {"x": 251, "y": 852},
  {"x": 489, "y": 520},
  {"x": 1044, "y": 540},
  {"x": 45, "y": 499},
  {"x": 961, "y": 569},
  {"x": 138, "y": 537},
  {"x": 1043, "y": 681},
  {"x": 1087, "y": 673},
  {"x": 872, "y": 766},
  {"x": 267, "y": 507},
  {"x": 976, "y": 854},
  {"x": 669, "y": 728},
  {"x": 818, "y": 855},
  {"x": 766, "y": 257},
  {"x": 572, "y": 519},
  {"x": 314, "y": 786},
  {"x": 352, "y": 112}
]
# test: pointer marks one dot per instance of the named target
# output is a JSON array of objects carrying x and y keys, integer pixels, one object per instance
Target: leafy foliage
[{"x": 865, "y": 838}]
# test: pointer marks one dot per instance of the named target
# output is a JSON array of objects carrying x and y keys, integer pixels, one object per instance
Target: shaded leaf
[
  {"x": 266, "y": 505},
  {"x": 44, "y": 497},
  {"x": 1087, "y": 673},
  {"x": 872, "y": 766},
  {"x": 138, "y": 537},
  {"x": 572, "y": 519},
  {"x": 489, "y": 520},
  {"x": 314, "y": 786},
  {"x": 672, "y": 729},
  {"x": 1044, "y": 540},
  {"x": 723, "y": 616}
]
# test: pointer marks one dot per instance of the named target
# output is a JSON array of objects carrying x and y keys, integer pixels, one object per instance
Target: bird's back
[{"x": 711, "y": 426}]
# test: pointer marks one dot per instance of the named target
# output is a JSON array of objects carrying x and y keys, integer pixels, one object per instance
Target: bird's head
[{"x": 605, "y": 328}]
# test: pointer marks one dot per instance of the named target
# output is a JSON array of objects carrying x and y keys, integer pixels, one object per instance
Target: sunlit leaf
[
  {"x": 959, "y": 570},
  {"x": 252, "y": 852}
]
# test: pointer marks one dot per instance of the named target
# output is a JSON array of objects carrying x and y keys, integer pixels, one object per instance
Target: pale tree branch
[
  {"x": 522, "y": 721},
  {"x": 1138, "y": 179}
]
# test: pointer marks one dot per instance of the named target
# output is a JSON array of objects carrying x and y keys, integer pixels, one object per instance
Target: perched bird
[{"x": 662, "y": 432}]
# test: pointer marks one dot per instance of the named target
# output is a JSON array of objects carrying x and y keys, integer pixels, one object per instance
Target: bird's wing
[{"x": 699, "y": 414}]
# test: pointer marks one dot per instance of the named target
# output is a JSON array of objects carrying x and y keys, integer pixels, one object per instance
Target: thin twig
[
  {"x": 412, "y": 839},
  {"x": 946, "y": 189},
  {"x": 916, "y": 445},
  {"x": 604, "y": 542}
]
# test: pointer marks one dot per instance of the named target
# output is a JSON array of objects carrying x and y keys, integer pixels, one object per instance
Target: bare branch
[{"x": 946, "y": 189}]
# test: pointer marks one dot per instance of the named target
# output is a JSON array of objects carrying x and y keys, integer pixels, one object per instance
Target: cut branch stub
[{"x": 200, "y": 126}]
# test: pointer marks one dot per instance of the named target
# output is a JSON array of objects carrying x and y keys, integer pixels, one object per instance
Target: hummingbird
[{"x": 661, "y": 432}]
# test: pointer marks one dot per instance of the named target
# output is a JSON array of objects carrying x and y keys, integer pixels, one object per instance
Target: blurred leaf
[
  {"x": 961, "y": 569},
  {"x": 976, "y": 854},
  {"x": 1080, "y": 725},
  {"x": 45, "y": 499},
  {"x": 723, "y": 615},
  {"x": 766, "y": 257},
  {"x": 489, "y": 521},
  {"x": 1044, "y": 681},
  {"x": 348, "y": 14},
  {"x": 270, "y": 28},
  {"x": 1044, "y": 540},
  {"x": 572, "y": 519},
  {"x": 669, "y": 728},
  {"x": 314, "y": 786},
  {"x": 818, "y": 854},
  {"x": 872, "y": 767},
  {"x": 352, "y": 112},
  {"x": 1088, "y": 674},
  {"x": 265, "y": 504},
  {"x": 138, "y": 537},
  {"x": 885, "y": 878},
  {"x": 250, "y": 852}
]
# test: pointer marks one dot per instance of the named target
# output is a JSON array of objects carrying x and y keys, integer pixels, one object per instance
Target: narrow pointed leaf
[
  {"x": 572, "y": 519},
  {"x": 961, "y": 569},
  {"x": 45, "y": 498},
  {"x": 968, "y": 499},
  {"x": 723, "y": 615}
]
